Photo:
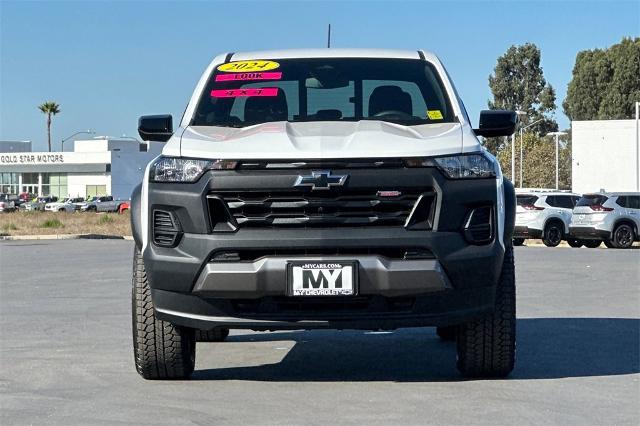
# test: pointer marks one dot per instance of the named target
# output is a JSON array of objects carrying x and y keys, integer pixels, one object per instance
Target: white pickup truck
[{"x": 323, "y": 188}]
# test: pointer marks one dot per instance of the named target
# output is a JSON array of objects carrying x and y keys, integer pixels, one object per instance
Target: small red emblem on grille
[{"x": 389, "y": 193}]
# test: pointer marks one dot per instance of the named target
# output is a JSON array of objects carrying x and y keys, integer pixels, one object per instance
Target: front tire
[
  {"x": 623, "y": 236},
  {"x": 552, "y": 235},
  {"x": 609, "y": 243},
  {"x": 161, "y": 350},
  {"x": 487, "y": 346}
]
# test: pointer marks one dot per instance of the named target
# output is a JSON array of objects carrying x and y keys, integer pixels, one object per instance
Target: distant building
[
  {"x": 604, "y": 155},
  {"x": 99, "y": 166},
  {"x": 15, "y": 146}
]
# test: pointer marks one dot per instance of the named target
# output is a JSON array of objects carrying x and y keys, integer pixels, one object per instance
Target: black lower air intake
[
  {"x": 478, "y": 228},
  {"x": 166, "y": 229}
]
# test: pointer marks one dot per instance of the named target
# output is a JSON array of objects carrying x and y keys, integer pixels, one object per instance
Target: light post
[
  {"x": 557, "y": 135},
  {"x": 513, "y": 147},
  {"x": 521, "y": 142},
  {"x": 89, "y": 132},
  {"x": 637, "y": 146}
]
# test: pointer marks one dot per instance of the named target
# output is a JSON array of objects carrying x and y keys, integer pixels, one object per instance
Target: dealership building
[{"x": 98, "y": 166}]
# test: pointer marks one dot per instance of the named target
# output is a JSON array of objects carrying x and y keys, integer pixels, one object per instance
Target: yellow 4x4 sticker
[
  {"x": 248, "y": 66},
  {"x": 434, "y": 114}
]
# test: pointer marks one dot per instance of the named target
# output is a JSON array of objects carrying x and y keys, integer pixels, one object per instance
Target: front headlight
[
  {"x": 464, "y": 166},
  {"x": 176, "y": 169}
]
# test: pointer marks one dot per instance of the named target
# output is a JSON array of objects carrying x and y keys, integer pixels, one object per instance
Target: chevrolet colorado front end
[{"x": 330, "y": 188}]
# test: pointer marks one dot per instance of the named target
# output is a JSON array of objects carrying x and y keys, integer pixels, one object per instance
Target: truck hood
[{"x": 284, "y": 140}]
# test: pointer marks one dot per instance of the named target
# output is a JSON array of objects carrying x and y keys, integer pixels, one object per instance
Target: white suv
[
  {"x": 544, "y": 215},
  {"x": 610, "y": 217}
]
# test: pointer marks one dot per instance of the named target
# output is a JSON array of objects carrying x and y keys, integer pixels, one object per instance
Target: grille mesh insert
[{"x": 306, "y": 209}]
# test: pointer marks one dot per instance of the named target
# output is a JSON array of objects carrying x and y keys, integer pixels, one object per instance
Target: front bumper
[
  {"x": 195, "y": 285},
  {"x": 373, "y": 313},
  {"x": 526, "y": 232},
  {"x": 457, "y": 282}
]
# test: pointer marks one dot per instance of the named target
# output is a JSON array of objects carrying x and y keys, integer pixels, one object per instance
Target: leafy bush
[
  {"x": 9, "y": 227},
  {"x": 52, "y": 223},
  {"x": 105, "y": 220}
]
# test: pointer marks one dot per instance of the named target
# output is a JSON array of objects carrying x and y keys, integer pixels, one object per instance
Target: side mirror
[
  {"x": 155, "y": 127},
  {"x": 496, "y": 123}
]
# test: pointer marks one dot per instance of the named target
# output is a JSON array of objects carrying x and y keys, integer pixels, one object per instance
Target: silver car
[
  {"x": 103, "y": 203},
  {"x": 39, "y": 203},
  {"x": 7, "y": 203},
  {"x": 68, "y": 205},
  {"x": 545, "y": 215},
  {"x": 611, "y": 217}
]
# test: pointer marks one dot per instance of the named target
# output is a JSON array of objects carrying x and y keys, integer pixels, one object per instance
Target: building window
[
  {"x": 8, "y": 183},
  {"x": 95, "y": 190},
  {"x": 30, "y": 178},
  {"x": 54, "y": 184}
]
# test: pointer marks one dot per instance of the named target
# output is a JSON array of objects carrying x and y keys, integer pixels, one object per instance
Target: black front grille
[
  {"x": 317, "y": 208},
  {"x": 166, "y": 231}
]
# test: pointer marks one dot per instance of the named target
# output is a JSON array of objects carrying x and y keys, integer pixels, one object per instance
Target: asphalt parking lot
[{"x": 66, "y": 353}]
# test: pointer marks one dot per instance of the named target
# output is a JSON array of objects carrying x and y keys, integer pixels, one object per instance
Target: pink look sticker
[
  {"x": 236, "y": 93},
  {"x": 249, "y": 76}
]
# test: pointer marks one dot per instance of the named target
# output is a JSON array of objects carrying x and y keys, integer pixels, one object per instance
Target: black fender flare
[
  {"x": 136, "y": 216},
  {"x": 509, "y": 210}
]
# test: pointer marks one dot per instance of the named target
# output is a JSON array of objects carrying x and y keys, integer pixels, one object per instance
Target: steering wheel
[{"x": 392, "y": 112}]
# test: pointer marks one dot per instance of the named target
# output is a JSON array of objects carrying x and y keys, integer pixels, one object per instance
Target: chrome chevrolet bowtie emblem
[{"x": 321, "y": 180}]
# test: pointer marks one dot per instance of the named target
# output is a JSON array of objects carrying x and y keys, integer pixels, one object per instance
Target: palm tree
[{"x": 50, "y": 108}]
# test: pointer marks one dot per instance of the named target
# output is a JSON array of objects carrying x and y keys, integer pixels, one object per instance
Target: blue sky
[{"x": 108, "y": 62}]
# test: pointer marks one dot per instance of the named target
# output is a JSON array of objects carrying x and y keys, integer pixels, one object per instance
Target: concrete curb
[{"x": 65, "y": 237}]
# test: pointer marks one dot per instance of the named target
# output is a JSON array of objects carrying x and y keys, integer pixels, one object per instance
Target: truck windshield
[{"x": 244, "y": 93}]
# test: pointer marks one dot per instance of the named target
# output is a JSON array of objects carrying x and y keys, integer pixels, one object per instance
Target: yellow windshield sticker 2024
[
  {"x": 248, "y": 66},
  {"x": 434, "y": 114}
]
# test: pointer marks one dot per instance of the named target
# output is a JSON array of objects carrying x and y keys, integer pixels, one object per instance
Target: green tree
[
  {"x": 539, "y": 161},
  {"x": 518, "y": 83},
  {"x": 605, "y": 83},
  {"x": 49, "y": 108}
]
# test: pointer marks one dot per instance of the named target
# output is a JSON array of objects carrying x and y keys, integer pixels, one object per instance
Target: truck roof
[{"x": 331, "y": 53}]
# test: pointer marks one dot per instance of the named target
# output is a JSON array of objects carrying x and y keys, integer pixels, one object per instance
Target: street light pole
[
  {"x": 521, "y": 143},
  {"x": 513, "y": 148},
  {"x": 637, "y": 146},
  {"x": 557, "y": 135},
  {"x": 513, "y": 157},
  {"x": 89, "y": 132}
]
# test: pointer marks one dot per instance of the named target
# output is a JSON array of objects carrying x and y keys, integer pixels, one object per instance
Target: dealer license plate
[{"x": 331, "y": 278}]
